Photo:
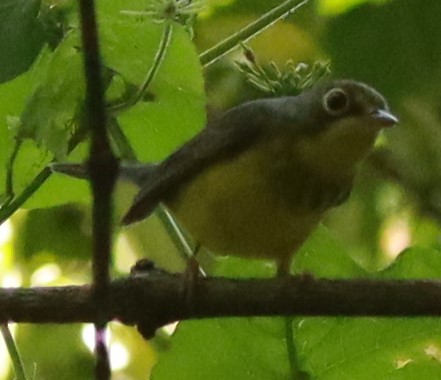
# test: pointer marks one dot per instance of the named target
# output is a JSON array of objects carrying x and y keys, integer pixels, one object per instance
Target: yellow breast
[{"x": 235, "y": 207}]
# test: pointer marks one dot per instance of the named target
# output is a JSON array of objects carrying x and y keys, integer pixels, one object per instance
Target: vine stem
[
  {"x": 18, "y": 201},
  {"x": 159, "y": 57},
  {"x": 252, "y": 30}
]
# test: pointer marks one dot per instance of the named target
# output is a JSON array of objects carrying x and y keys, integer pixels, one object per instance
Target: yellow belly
[{"x": 234, "y": 208}]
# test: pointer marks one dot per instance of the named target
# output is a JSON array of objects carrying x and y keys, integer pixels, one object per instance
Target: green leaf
[
  {"x": 416, "y": 263},
  {"x": 48, "y": 120},
  {"x": 176, "y": 113},
  {"x": 323, "y": 256},
  {"x": 368, "y": 348},
  {"x": 226, "y": 349},
  {"x": 128, "y": 46},
  {"x": 48, "y": 117},
  {"x": 21, "y": 36},
  {"x": 375, "y": 348},
  {"x": 9, "y": 111}
]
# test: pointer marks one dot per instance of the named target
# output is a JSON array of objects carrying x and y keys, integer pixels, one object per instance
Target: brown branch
[{"x": 155, "y": 298}]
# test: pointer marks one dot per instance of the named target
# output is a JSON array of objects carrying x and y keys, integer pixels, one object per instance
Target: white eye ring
[{"x": 336, "y": 102}]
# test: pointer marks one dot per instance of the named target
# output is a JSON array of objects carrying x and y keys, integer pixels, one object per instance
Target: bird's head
[{"x": 343, "y": 119}]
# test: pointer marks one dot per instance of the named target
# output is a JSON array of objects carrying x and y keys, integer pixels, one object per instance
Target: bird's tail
[
  {"x": 137, "y": 173},
  {"x": 70, "y": 169}
]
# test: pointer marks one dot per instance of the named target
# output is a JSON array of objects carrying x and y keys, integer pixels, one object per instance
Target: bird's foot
[{"x": 190, "y": 279}]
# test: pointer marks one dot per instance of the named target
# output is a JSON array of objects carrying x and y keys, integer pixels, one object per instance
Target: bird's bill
[{"x": 385, "y": 118}]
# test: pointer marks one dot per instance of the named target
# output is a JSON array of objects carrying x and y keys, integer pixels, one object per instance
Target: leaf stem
[
  {"x": 291, "y": 351},
  {"x": 17, "y": 362}
]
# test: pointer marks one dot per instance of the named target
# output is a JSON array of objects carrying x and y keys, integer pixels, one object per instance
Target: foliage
[{"x": 393, "y": 46}]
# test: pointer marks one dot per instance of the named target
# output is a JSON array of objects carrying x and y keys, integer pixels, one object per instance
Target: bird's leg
[
  {"x": 284, "y": 266},
  {"x": 193, "y": 268},
  {"x": 191, "y": 275}
]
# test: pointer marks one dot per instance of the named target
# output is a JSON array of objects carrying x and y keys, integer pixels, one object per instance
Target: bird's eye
[{"x": 335, "y": 101}]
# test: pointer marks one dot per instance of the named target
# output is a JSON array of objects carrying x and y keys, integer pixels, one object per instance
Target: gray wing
[{"x": 225, "y": 138}]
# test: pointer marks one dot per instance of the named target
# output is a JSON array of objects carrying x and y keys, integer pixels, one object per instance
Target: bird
[{"x": 256, "y": 181}]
